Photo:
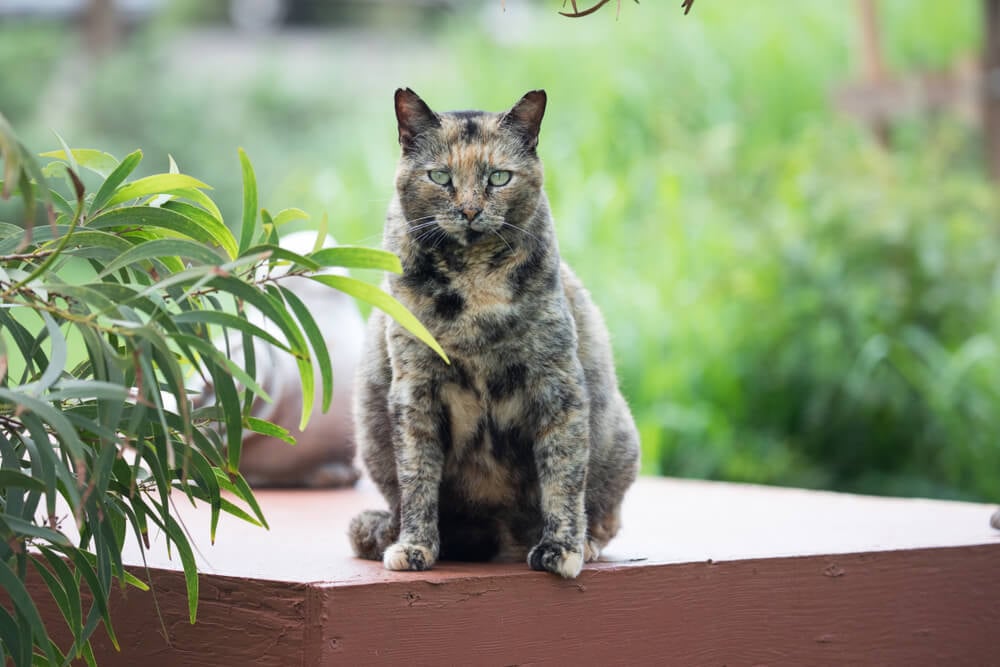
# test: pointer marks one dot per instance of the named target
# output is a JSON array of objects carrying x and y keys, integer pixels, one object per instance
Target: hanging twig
[
  {"x": 576, "y": 13},
  {"x": 579, "y": 13}
]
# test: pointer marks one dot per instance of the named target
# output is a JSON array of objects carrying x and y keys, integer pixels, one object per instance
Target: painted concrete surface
[
  {"x": 703, "y": 574},
  {"x": 665, "y": 521}
]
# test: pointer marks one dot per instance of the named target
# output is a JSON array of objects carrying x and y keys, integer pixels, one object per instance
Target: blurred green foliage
[
  {"x": 29, "y": 53},
  {"x": 789, "y": 303}
]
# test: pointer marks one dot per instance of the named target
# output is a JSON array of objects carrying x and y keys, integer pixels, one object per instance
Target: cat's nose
[{"x": 471, "y": 212}]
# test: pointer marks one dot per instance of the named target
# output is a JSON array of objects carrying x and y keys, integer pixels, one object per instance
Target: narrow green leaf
[
  {"x": 224, "y": 237},
  {"x": 56, "y": 590},
  {"x": 11, "y": 154},
  {"x": 7, "y": 229},
  {"x": 213, "y": 357},
  {"x": 250, "y": 363},
  {"x": 288, "y": 215},
  {"x": 353, "y": 257},
  {"x": 316, "y": 339},
  {"x": 59, "y": 423},
  {"x": 99, "y": 162},
  {"x": 111, "y": 183},
  {"x": 45, "y": 465},
  {"x": 46, "y": 263},
  {"x": 60, "y": 202},
  {"x": 69, "y": 585},
  {"x": 88, "y": 389},
  {"x": 67, "y": 153},
  {"x": 173, "y": 529},
  {"x": 21, "y": 599},
  {"x": 200, "y": 198},
  {"x": 249, "y": 225},
  {"x": 383, "y": 301},
  {"x": 231, "y": 321},
  {"x": 157, "y": 184},
  {"x": 29, "y": 529},
  {"x": 164, "y": 248},
  {"x": 33, "y": 355},
  {"x": 279, "y": 253},
  {"x": 96, "y": 245},
  {"x": 55, "y": 170},
  {"x": 94, "y": 298},
  {"x": 10, "y": 479},
  {"x": 206, "y": 229},
  {"x": 229, "y": 399},
  {"x": 11, "y": 641},
  {"x": 99, "y": 594},
  {"x": 225, "y": 505},
  {"x": 322, "y": 233},
  {"x": 267, "y": 428},
  {"x": 271, "y": 236},
  {"x": 274, "y": 310},
  {"x": 35, "y": 237},
  {"x": 31, "y": 171},
  {"x": 242, "y": 489},
  {"x": 57, "y": 361},
  {"x": 210, "y": 485}
]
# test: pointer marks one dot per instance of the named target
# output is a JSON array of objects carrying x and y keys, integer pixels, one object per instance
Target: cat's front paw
[
  {"x": 556, "y": 559},
  {"x": 403, "y": 556}
]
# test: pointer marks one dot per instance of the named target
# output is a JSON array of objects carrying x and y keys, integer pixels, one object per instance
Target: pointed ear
[
  {"x": 414, "y": 117},
  {"x": 525, "y": 117}
]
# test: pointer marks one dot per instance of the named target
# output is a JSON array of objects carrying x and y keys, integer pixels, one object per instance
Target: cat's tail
[{"x": 371, "y": 533}]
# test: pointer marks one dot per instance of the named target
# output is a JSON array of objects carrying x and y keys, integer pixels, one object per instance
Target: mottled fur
[{"x": 522, "y": 446}]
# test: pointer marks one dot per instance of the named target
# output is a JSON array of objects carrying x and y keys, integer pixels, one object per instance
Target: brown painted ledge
[{"x": 702, "y": 574}]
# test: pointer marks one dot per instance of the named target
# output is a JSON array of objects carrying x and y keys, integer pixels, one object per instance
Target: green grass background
[{"x": 789, "y": 304}]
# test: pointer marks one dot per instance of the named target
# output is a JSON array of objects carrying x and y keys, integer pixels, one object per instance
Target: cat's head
[{"x": 472, "y": 174}]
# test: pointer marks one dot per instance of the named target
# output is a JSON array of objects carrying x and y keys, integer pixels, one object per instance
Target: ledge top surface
[{"x": 664, "y": 521}]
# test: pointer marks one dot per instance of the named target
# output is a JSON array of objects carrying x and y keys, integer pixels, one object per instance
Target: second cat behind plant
[{"x": 522, "y": 446}]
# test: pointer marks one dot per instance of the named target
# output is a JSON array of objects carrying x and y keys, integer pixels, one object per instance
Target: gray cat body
[{"x": 522, "y": 446}]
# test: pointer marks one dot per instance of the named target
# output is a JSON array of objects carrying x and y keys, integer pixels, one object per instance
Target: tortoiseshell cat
[{"x": 524, "y": 441}]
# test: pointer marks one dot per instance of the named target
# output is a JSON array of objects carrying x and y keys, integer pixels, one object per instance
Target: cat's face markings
[
  {"x": 475, "y": 173},
  {"x": 471, "y": 131}
]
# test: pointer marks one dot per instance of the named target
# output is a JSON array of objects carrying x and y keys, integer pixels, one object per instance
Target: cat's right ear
[{"x": 414, "y": 117}]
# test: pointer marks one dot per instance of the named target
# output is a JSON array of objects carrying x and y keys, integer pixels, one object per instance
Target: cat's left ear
[{"x": 525, "y": 117}]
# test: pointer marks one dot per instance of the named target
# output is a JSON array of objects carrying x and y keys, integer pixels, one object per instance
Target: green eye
[
  {"x": 439, "y": 176},
  {"x": 499, "y": 178}
]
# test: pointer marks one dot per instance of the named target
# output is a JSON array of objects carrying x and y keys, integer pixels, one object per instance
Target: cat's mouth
[{"x": 466, "y": 233}]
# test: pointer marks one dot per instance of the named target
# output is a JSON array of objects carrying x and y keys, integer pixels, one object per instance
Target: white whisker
[
  {"x": 520, "y": 229},
  {"x": 497, "y": 234}
]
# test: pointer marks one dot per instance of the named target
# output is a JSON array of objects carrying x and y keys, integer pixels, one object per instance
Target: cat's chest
[
  {"x": 481, "y": 291},
  {"x": 487, "y": 449},
  {"x": 462, "y": 307}
]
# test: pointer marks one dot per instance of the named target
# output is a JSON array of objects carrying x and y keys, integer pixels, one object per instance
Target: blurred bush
[
  {"x": 789, "y": 304},
  {"x": 29, "y": 53}
]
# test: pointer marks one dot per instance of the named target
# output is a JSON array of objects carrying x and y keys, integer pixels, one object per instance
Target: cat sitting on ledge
[{"x": 522, "y": 447}]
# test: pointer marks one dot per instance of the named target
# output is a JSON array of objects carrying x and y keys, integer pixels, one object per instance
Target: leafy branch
[{"x": 106, "y": 314}]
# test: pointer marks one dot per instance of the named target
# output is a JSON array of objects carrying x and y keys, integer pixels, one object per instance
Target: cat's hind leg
[{"x": 371, "y": 532}]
